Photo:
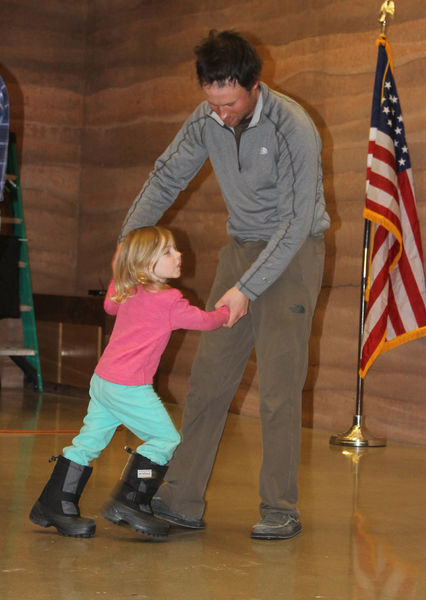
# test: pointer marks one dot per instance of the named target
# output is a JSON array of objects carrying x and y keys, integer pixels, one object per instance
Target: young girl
[{"x": 147, "y": 310}]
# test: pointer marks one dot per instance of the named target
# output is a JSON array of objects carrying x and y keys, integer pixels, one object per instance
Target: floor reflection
[
  {"x": 380, "y": 572},
  {"x": 362, "y": 512}
]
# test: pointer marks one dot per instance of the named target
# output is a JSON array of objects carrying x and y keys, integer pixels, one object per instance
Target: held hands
[{"x": 237, "y": 304}]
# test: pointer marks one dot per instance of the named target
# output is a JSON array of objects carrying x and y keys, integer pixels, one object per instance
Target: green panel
[{"x": 25, "y": 289}]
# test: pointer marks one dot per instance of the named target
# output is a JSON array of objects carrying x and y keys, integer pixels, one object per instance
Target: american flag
[{"x": 396, "y": 292}]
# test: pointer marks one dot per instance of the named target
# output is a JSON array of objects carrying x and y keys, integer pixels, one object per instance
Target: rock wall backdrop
[{"x": 99, "y": 88}]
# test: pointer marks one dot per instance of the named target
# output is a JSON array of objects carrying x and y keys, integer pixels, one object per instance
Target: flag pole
[{"x": 357, "y": 435}]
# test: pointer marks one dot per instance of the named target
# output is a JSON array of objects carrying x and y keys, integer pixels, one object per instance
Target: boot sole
[
  {"x": 39, "y": 516},
  {"x": 142, "y": 523}
]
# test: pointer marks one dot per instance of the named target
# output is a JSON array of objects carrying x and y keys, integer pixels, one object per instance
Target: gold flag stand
[{"x": 357, "y": 435}]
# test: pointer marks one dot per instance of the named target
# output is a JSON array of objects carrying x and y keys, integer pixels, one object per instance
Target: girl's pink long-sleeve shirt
[{"x": 142, "y": 329}]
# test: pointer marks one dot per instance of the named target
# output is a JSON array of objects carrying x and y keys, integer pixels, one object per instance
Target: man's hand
[{"x": 237, "y": 304}]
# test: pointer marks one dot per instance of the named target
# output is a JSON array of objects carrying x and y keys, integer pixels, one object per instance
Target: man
[{"x": 266, "y": 154}]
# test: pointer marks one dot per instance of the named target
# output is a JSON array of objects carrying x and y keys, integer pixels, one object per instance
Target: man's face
[{"x": 232, "y": 102}]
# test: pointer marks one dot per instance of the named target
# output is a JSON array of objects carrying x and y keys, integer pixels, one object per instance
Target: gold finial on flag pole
[{"x": 387, "y": 10}]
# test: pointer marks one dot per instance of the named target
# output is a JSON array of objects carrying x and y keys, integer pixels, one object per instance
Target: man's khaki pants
[{"x": 278, "y": 325}]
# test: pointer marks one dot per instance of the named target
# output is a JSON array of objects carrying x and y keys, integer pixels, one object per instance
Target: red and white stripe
[{"x": 396, "y": 310}]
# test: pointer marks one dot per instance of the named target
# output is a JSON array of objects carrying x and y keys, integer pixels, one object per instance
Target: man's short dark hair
[{"x": 226, "y": 56}]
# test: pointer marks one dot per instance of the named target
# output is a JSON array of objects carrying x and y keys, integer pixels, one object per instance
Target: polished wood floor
[{"x": 363, "y": 515}]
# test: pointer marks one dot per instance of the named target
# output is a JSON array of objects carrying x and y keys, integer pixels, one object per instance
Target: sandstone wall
[
  {"x": 42, "y": 61},
  {"x": 99, "y": 90}
]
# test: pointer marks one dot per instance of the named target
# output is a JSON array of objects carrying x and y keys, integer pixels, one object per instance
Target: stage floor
[{"x": 363, "y": 515}]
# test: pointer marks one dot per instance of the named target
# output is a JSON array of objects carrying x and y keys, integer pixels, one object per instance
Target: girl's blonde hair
[{"x": 137, "y": 259}]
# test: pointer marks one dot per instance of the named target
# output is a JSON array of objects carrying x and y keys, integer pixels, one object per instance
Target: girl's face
[{"x": 169, "y": 264}]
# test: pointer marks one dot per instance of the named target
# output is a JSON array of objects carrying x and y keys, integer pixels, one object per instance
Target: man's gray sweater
[{"x": 272, "y": 184}]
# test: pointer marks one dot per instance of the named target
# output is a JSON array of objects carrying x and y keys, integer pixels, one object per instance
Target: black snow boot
[
  {"x": 58, "y": 503},
  {"x": 130, "y": 502}
]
